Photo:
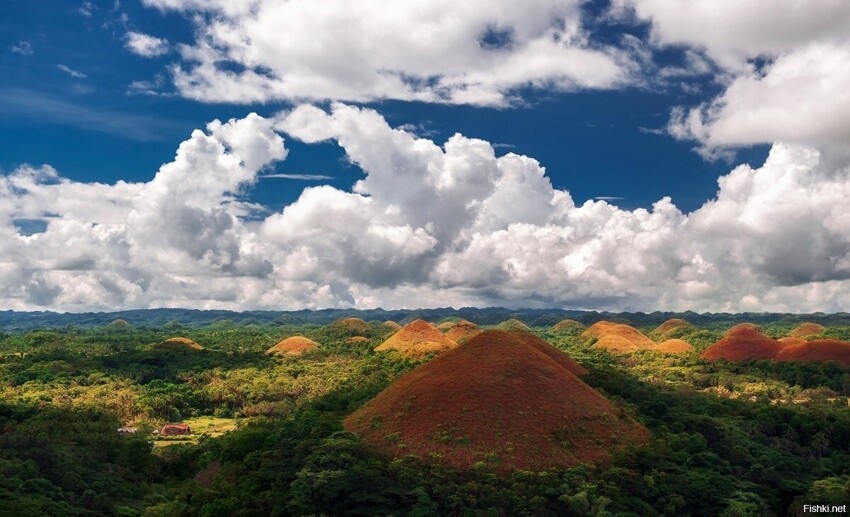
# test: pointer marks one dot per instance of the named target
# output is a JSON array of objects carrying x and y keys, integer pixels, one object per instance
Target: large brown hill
[
  {"x": 417, "y": 339},
  {"x": 502, "y": 398},
  {"x": 820, "y": 350},
  {"x": 742, "y": 344}
]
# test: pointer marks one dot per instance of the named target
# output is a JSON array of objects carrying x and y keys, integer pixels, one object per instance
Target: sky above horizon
[{"x": 616, "y": 155}]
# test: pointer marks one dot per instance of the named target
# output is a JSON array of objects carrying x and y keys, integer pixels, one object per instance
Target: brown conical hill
[
  {"x": 743, "y": 344},
  {"x": 351, "y": 326},
  {"x": 791, "y": 341},
  {"x": 819, "y": 350},
  {"x": 804, "y": 330},
  {"x": 498, "y": 399},
  {"x": 745, "y": 325},
  {"x": 597, "y": 329},
  {"x": 417, "y": 339},
  {"x": 295, "y": 345},
  {"x": 616, "y": 344},
  {"x": 513, "y": 324},
  {"x": 674, "y": 346},
  {"x": 667, "y": 328},
  {"x": 463, "y": 331},
  {"x": 353, "y": 340},
  {"x": 391, "y": 324},
  {"x": 177, "y": 343},
  {"x": 567, "y": 325}
]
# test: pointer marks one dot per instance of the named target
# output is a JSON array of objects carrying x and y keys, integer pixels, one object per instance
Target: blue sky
[
  {"x": 626, "y": 101},
  {"x": 94, "y": 128}
]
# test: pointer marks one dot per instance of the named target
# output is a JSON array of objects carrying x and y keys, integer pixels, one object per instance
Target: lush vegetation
[{"x": 754, "y": 438}]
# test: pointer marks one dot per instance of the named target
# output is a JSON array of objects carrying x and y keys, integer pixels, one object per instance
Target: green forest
[{"x": 728, "y": 438}]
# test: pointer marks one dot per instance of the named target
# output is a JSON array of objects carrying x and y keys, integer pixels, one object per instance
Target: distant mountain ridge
[{"x": 13, "y": 321}]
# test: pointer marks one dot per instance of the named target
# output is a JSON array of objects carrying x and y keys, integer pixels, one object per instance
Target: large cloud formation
[
  {"x": 785, "y": 66},
  {"x": 475, "y": 52},
  {"x": 428, "y": 225}
]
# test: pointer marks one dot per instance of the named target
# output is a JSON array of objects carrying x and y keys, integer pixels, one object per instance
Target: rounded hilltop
[
  {"x": 669, "y": 328},
  {"x": 806, "y": 330},
  {"x": 417, "y": 339},
  {"x": 617, "y": 338},
  {"x": 567, "y": 325},
  {"x": 513, "y": 324},
  {"x": 355, "y": 326},
  {"x": 462, "y": 331},
  {"x": 741, "y": 343},
  {"x": 294, "y": 345},
  {"x": 176, "y": 344},
  {"x": 504, "y": 398},
  {"x": 819, "y": 350}
]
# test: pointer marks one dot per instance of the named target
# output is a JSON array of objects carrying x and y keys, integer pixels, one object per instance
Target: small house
[
  {"x": 175, "y": 430},
  {"x": 128, "y": 430}
]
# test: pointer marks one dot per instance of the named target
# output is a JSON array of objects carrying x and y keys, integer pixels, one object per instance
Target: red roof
[{"x": 175, "y": 429}]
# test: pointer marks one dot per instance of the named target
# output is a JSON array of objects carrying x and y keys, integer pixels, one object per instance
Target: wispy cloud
[
  {"x": 87, "y": 9},
  {"x": 70, "y": 71},
  {"x": 19, "y": 103},
  {"x": 23, "y": 48},
  {"x": 305, "y": 177},
  {"x": 146, "y": 45}
]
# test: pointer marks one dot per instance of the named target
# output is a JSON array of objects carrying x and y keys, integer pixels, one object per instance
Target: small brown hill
[
  {"x": 446, "y": 325},
  {"x": 463, "y": 331},
  {"x": 177, "y": 343},
  {"x": 356, "y": 339},
  {"x": 567, "y": 325},
  {"x": 674, "y": 346},
  {"x": 616, "y": 344},
  {"x": 791, "y": 341},
  {"x": 670, "y": 326},
  {"x": 417, "y": 339},
  {"x": 351, "y": 325},
  {"x": 500, "y": 399},
  {"x": 743, "y": 344},
  {"x": 820, "y": 350},
  {"x": 513, "y": 324},
  {"x": 295, "y": 345},
  {"x": 807, "y": 329},
  {"x": 391, "y": 324},
  {"x": 745, "y": 325}
]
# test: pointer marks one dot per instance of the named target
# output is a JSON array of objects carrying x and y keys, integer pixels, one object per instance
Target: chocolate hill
[
  {"x": 417, "y": 339},
  {"x": 742, "y": 344},
  {"x": 463, "y": 331},
  {"x": 662, "y": 332},
  {"x": 177, "y": 343},
  {"x": 819, "y": 350},
  {"x": 804, "y": 330},
  {"x": 353, "y": 340},
  {"x": 503, "y": 399},
  {"x": 351, "y": 326},
  {"x": 745, "y": 325},
  {"x": 790, "y": 341},
  {"x": 295, "y": 345},
  {"x": 617, "y": 338},
  {"x": 674, "y": 346},
  {"x": 391, "y": 324},
  {"x": 513, "y": 324},
  {"x": 567, "y": 325}
]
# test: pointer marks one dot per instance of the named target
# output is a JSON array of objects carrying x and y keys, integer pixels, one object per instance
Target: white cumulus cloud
[
  {"x": 784, "y": 66},
  {"x": 475, "y": 52},
  {"x": 429, "y": 225}
]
